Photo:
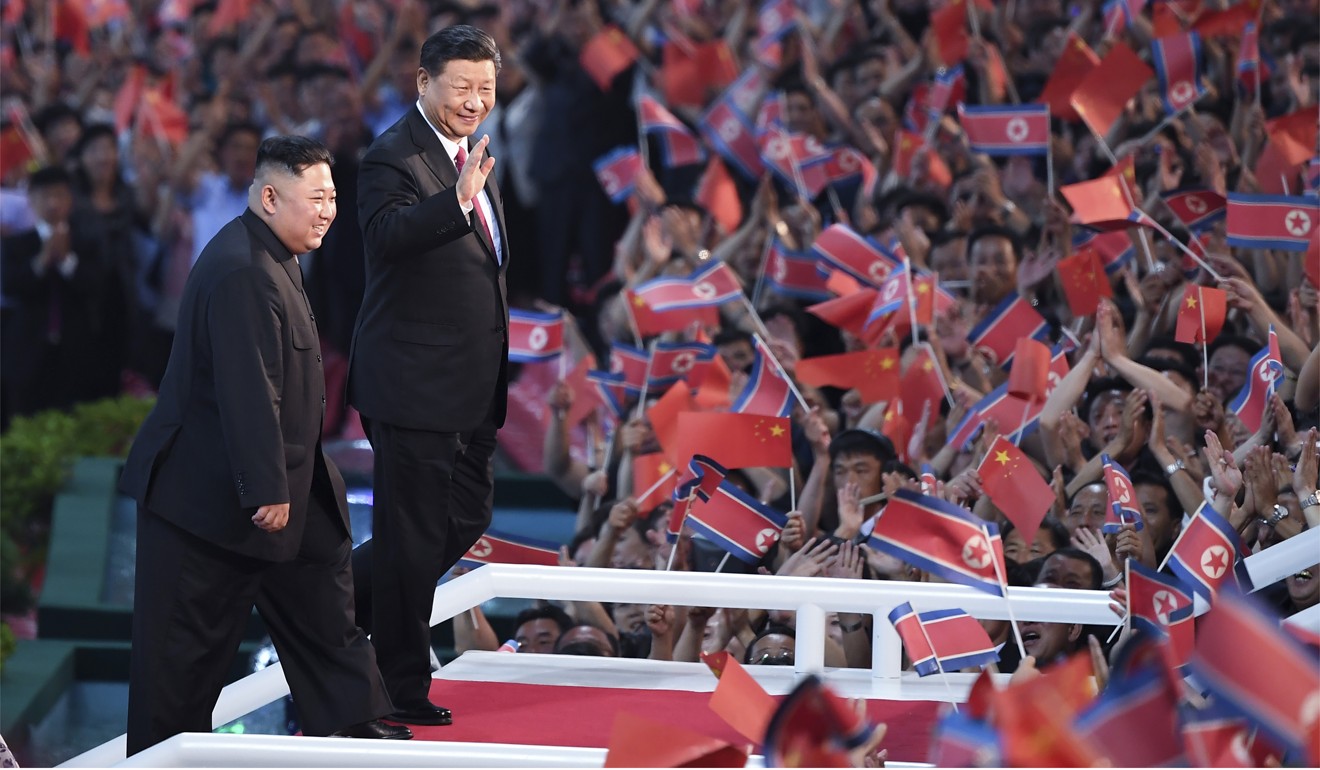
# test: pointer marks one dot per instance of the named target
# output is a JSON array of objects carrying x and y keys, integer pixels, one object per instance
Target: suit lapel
[{"x": 442, "y": 167}]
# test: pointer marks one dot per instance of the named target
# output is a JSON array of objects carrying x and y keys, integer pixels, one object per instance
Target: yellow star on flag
[
  {"x": 886, "y": 363},
  {"x": 777, "y": 431},
  {"x": 1191, "y": 301},
  {"x": 1001, "y": 457}
]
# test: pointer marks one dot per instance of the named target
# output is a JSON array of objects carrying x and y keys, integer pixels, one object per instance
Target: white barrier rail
[{"x": 811, "y": 598}]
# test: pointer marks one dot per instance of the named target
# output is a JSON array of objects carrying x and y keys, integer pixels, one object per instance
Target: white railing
[{"x": 811, "y": 598}]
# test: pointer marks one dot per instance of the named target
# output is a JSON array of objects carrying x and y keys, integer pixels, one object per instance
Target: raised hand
[{"x": 472, "y": 178}]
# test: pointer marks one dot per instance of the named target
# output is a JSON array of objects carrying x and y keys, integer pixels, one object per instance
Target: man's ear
[
  {"x": 1074, "y": 632},
  {"x": 268, "y": 199}
]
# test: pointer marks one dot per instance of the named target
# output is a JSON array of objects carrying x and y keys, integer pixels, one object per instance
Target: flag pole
[
  {"x": 669, "y": 565},
  {"x": 1017, "y": 435},
  {"x": 642, "y": 145},
  {"x": 646, "y": 383},
  {"x": 910, "y": 300},
  {"x": 792, "y": 489},
  {"x": 801, "y": 401},
  {"x": 1184, "y": 248},
  {"x": 657, "y": 484},
  {"x": 972, "y": 20},
  {"x": 1205, "y": 344},
  {"x": 1049, "y": 165},
  {"x": 765, "y": 260},
  {"x": 632, "y": 319},
  {"x": 1003, "y": 583},
  {"x": 938, "y": 665},
  {"x": 756, "y": 317},
  {"x": 1127, "y": 619},
  {"x": 722, "y": 561}
]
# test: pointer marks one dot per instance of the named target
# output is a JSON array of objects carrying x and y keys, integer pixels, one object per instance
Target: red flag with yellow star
[
  {"x": 1076, "y": 61},
  {"x": 636, "y": 741},
  {"x": 873, "y": 372},
  {"x": 1030, "y": 376},
  {"x": 663, "y": 416},
  {"x": 648, "y": 470},
  {"x": 1015, "y": 486},
  {"x": 735, "y": 440},
  {"x": 922, "y": 382},
  {"x": 1102, "y": 93},
  {"x": 738, "y": 698},
  {"x": 1084, "y": 281},
  {"x": 1035, "y": 717},
  {"x": 1201, "y": 315}
]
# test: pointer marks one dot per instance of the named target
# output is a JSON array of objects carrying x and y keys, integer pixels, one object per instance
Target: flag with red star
[
  {"x": 794, "y": 273},
  {"x": 942, "y": 641},
  {"x": 1177, "y": 60},
  {"x": 674, "y": 361},
  {"x": 1264, "y": 374},
  {"x": 1123, "y": 501},
  {"x": 608, "y": 53},
  {"x": 1272, "y": 221},
  {"x": 1208, "y": 554},
  {"x": 768, "y": 390},
  {"x": 996, "y": 336},
  {"x": 535, "y": 337},
  {"x": 500, "y": 548},
  {"x": 738, "y": 523},
  {"x": 862, "y": 258},
  {"x": 653, "y": 473},
  {"x": 941, "y": 538},
  {"x": 1158, "y": 604},
  {"x": 1197, "y": 209},
  {"x": 617, "y": 172},
  {"x": 1015, "y": 486}
]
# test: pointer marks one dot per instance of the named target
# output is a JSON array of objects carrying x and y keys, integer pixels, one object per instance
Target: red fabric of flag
[
  {"x": 738, "y": 698},
  {"x": 1074, "y": 64},
  {"x": 848, "y": 312},
  {"x": 949, "y": 27},
  {"x": 585, "y": 396},
  {"x": 648, "y": 470},
  {"x": 718, "y": 195},
  {"x": 636, "y": 741},
  {"x": 1100, "y": 96},
  {"x": 921, "y": 384},
  {"x": 1029, "y": 376},
  {"x": 1201, "y": 302},
  {"x": 1099, "y": 203},
  {"x": 1294, "y": 135},
  {"x": 607, "y": 54},
  {"x": 664, "y": 415},
  {"x": 1015, "y": 487},
  {"x": 873, "y": 372},
  {"x": 1084, "y": 281},
  {"x": 734, "y": 440}
]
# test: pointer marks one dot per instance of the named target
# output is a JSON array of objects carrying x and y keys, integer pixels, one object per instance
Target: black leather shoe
[
  {"x": 424, "y": 713},
  {"x": 376, "y": 729}
]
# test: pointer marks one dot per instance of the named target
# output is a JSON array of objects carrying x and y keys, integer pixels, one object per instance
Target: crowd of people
[{"x": 130, "y": 139}]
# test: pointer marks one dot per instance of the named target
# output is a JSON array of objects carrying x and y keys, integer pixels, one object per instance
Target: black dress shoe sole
[
  {"x": 403, "y": 734},
  {"x": 430, "y": 720}
]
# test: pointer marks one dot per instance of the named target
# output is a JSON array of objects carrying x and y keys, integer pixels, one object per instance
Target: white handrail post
[
  {"x": 809, "y": 657},
  {"x": 886, "y": 647}
]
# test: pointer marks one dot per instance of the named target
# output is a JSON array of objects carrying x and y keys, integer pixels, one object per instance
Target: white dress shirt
[{"x": 483, "y": 200}]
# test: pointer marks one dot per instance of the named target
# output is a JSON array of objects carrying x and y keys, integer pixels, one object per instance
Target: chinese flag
[
  {"x": 1100, "y": 97},
  {"x": 717, "y": 194},
  {"x": 648, "y": 470},
  {"x": 949, "y": 26},
  {"x": 1084, "y": 281},
  {"x": 1228, "y": 23},
  {"x": 1201, "y": 303},
  {"x": 1074, "y": 64},
  {"x": 718, "y": 69},
  {"x": 681, "y": 80},
  {"x": 1099, "y": 203},
  {"x": 848, "y": 312},
  {"x": 1272, "y": 168},
  {"x": 873, "y": 372},
  {"x": 607, "y": 54},
  {"x": 1035, "y": 717},
  {"x": 713, "y": 389},
  {"x": 1014, "y": 486},
  {"x": 1029, "y": 377},
  {"x": 842, "y": 284},
  {"x": 585, "y": 395},
  {"x": 130, "y": 93},
  {"x": 898, "y": 428},
  {"x": 1294, "y": 135},
  {"x": 738, "y": 698},
  {"x": 161, "y": 118},
  {"x": 664, "y": 413},
  {"x": 15, "y": 152},
  {"x": 922, "y": 383},
  {"x": 636, "y": 741},
  {"x": 734, "y": 440}
]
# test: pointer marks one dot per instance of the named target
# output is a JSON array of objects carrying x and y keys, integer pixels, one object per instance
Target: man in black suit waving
[
  {"x": 237, "y": 504},
  {"x": 429, "y": 362}
]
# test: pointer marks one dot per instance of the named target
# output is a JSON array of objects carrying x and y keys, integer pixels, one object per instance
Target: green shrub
[{"x": 36, "y": 455}]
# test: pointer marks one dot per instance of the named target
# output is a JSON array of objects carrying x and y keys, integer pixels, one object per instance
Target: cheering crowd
[{"x": 1002, "y": 294}]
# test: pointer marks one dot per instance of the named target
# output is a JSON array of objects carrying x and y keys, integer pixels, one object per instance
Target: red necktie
[{"x": 459, "y": 160}]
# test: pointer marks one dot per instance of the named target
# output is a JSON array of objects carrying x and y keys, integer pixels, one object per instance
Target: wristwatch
[
  {"x": 1174, "y": 467},
  {"x": 1312, "y": 500},
  {"x": 1280, "y": 513}
]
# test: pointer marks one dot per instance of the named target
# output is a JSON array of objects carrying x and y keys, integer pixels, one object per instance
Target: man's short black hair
[
  {"x": 1149, "y": 476},
  {"x": 1245, "y": 344},
  {"x": 729, "y": 336},
  {"x": 235, "y": 128},
  {"x": 586, "y": 648},
  {"x": 863, "y": 441},
  {"x": 991, "y": 231},
  {"x": 46, "y": 117},
  {"x": 292, "y": 154},
  {"x": 1098, "y": 388},
  {"x": 93, "y": 132},
  {"x": 49, "y": 176},
  {"x": 546, "y": 612},
  {"x": 1097, "y": 572},
  {"x": 1187, "y": 354},
  {"x": 462, "y": 42},
  {"x": 769, "y": 630}
]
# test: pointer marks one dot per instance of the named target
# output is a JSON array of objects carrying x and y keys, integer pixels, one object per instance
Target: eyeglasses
[{"x": 781, "y": 658}]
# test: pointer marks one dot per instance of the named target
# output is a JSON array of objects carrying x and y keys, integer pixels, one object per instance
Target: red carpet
[{"x": 551, "y": 715}]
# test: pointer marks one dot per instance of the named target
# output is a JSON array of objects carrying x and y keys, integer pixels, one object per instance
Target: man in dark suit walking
[
  {"x": 429, "y": 363},
  {"x": 237, "y": 504}
]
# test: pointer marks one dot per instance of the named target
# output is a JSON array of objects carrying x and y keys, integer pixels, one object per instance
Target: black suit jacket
[
  {"x": 237, "y": 424},
  {"x": 431, "y": 346}
]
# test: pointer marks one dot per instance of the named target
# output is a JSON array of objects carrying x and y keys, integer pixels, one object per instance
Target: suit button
[
  {"x": 322, "y": 400},
  {"x": 313, "y": 317},
  {"x": 318, "y": 359}
]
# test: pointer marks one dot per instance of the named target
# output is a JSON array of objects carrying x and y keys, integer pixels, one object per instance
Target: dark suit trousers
[
  {"x": 192, "y": 604},
  {"x": 432, "y": 500}
]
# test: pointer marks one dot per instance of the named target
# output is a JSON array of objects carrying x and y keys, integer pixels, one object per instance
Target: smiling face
[
  {"x": 994, "y": 269},
  {"x": 458, "y": 97},
  {"x": 300, "y": 207},
  {"x": 1087, "y": 509},
  {"x": 1304, "y": 588}
]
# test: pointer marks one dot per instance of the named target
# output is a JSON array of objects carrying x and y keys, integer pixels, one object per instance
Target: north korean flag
[
  {"x": 1250, "y": 69},
  {"x": 674, "y": 361},
  {"x": 775, "y": 19},
  {"x": 1159, "y": 605},
  {"x": 895, "y": 294},
  {"x": 841, "y": 167},
  {"x": 630, "y": 362},
  {"x": 794, "y": 274},
  {"x": 942, "y": 641},
  {"x": 769, "y": 114},
  {"x": 614, "y": 391},
  {"x": 535, "y": 337},
  {"x": 1016, "y": 130},
  {"x": 680, "y": 146},
  {"x": 1216, "y": 736},
  {"x": 1208, "y": 554},
  {"x": 787, "y": 154},
  {"x": 700, "y": 481},
  {"x": 1007, "y": 409},
  {"x": 767, "y": 391},
  {"x": 997, "y": 335},
  {"x": 1136, "y": 720},
  {"x": 1197, "y": 209},
  {"x": 1122, "y": 498},
  {"x": 1274, "y": 685},
  {"x": 500, "y": 548},
  {"x": 842, "y": 247},
  {"x": 942, "y": 538},
  {"x": 948, "y": 87},
  {"x": 707, "y": 286},
  {"x": 730, "y": 132},
  {"x": 1177, "y": 60},
  {"x": 617, "y": 172},
  {"x": 737, "y": 522},
  {"x": 1271, "y": 221},
  {"x": 1263, "y": 378}
]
